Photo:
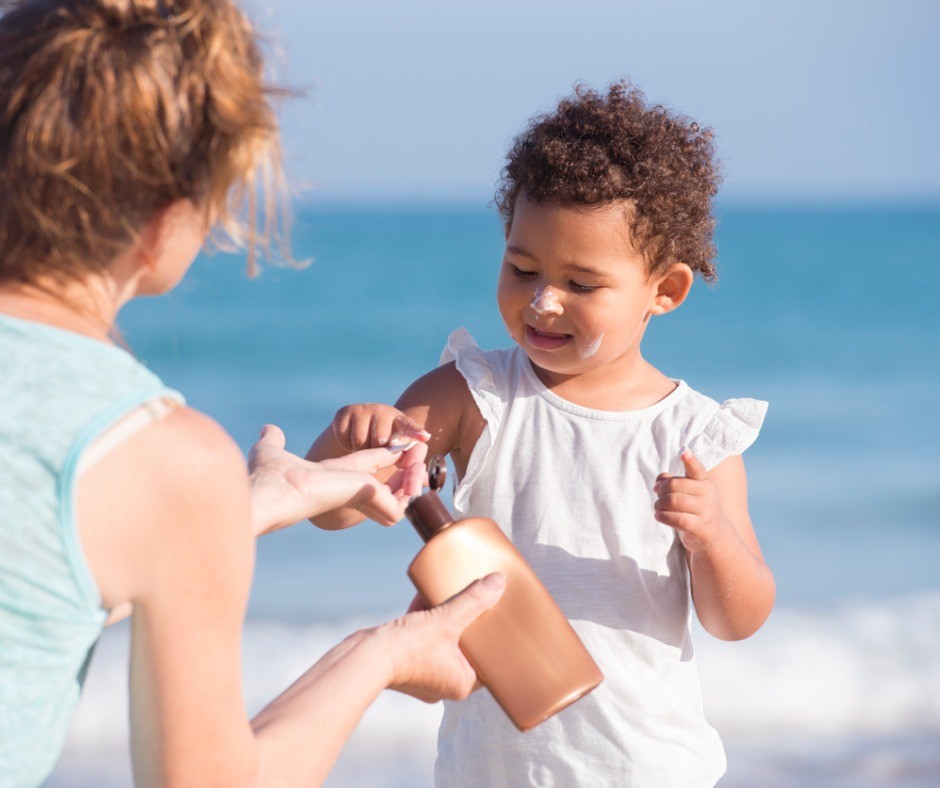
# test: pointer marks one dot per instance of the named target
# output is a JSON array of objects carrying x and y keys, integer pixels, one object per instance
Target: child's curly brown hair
[{"x": 595, "y": 149}]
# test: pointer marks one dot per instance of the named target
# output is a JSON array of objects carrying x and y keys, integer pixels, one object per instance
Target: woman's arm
[
  {"x": 165, "y": 525},
  {"x": 732, "y": 587},
  {"x": 416, "y": 654},
  {"x": 164, "y": 520}
]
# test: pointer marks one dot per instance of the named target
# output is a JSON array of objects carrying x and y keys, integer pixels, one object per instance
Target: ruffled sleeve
[
  {"x": 473, "y": 364},
  {"x": 731, "y": 429},
  {"x": 476, "y": 370}
]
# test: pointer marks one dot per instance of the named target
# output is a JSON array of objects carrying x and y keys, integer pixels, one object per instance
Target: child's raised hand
[
  {"x": 690, "y": 504},
  {"x": 372, "y": 425}
]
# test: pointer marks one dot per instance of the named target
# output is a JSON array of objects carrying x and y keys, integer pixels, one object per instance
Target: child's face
[{"x": 573, "y": 291}]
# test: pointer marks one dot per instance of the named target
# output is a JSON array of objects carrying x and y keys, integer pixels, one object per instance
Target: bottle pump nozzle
[{"x": 427, "y": 512}]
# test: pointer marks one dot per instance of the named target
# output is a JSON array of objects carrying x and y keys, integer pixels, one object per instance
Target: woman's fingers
[
  {"x": 417, "y": 603},
  {"x": 414, "y": 472},
  {"x": 365, "y": 460},
  {"x": 272, "y": 435},
  {"x": 407, "y": 481},
  {"x": 431, "y": 665}
]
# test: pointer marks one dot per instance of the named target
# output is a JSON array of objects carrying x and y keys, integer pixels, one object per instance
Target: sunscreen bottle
[{"x": 524, "y": 650}]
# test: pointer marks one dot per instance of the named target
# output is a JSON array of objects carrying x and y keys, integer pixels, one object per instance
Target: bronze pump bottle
[{"x": 524, "y": 650}]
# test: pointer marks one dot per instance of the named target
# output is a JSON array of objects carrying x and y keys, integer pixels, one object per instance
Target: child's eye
[
  {"x": 520, "y": 272},
  {"x": 578, "y": 288}
]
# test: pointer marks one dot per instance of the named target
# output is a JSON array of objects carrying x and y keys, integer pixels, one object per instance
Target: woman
[{"x": 128, "y": 130}]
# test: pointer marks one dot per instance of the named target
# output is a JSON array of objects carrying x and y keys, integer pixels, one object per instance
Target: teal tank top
[{"x": 59, "y": 391}]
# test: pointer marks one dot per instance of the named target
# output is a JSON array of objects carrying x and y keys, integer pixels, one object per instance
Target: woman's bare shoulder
[{"x": 172, "y": 493}]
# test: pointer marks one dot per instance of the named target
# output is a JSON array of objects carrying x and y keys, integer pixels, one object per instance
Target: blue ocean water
[{"x": 828, "y": 313}]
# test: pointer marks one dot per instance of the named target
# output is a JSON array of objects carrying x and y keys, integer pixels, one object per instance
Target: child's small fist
[{"x": 690, "y": 504}]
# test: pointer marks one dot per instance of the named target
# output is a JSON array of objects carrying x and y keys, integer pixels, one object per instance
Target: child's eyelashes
[
  {"x": 579, "y": 288},
  {"x": 576, "y": 287},
  {"x": 521, "y": 273}
]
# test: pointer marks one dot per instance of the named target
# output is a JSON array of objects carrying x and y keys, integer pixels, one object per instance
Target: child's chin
[{"x": 552, "y": 362}]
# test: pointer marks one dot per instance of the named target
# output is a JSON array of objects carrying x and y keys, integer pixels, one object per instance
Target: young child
[
  {"x": 127, "y": 130},
  {"x": 623, "y": 488}
]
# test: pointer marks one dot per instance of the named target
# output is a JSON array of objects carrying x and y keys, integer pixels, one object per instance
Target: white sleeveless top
[{"x": 572, "y": 487}]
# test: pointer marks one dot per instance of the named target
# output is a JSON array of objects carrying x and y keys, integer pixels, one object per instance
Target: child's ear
[{"x": 672, "y": 287}]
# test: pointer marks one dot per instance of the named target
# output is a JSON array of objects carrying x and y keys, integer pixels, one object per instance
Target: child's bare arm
[
  {"x": 442, "y": 403},
  {"x": 732, "y": 588},
  {"x": 437, "y": 408}
]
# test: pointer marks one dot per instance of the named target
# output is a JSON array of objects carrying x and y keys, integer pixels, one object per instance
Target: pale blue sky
[{"x": 417, "y": 100}]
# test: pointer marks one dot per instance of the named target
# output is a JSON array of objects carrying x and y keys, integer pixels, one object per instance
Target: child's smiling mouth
[{"x": 545, "y": 340}]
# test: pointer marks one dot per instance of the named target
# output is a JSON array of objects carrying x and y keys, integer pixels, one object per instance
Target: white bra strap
[{"x": 143, "y": 415}]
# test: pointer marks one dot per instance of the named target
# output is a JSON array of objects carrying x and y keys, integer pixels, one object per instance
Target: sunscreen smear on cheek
[{"x": 593, "y": 346}]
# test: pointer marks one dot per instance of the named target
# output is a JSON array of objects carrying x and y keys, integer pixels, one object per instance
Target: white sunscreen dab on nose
[
  {"x": 545, "y": 302},
  {"x": 593, "y": 347}
]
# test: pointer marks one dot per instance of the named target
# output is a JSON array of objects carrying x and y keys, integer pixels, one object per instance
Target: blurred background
[{"x": 826, "y": 118}]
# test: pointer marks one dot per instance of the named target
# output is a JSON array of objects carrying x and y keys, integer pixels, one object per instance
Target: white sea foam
[
  {"x": 857, "y": 668},
  {"x": 853, "y": 690}
]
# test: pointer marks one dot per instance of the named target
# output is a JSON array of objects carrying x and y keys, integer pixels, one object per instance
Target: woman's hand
[
  {"x": 286, "y": 488},
  {"x": 417, "y": 654},
  {"x": 368, "y": 426},
  {"x": 427, "y": 661}
]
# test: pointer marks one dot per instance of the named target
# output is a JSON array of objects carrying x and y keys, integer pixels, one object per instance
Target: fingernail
[
  {"x": 657, "y": 485},
  {"x": 394, "y": 446},
  {"x": 494, "y": 582},
  {"x": 685, "y": 450}
]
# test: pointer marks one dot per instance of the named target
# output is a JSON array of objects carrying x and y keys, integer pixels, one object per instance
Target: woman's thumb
[
  {"x": 475, "y": 599},
  {"x": 272, "y": 435}
]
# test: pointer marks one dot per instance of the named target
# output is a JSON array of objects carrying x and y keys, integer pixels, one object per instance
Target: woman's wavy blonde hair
[{"x": 110, "y": 110}]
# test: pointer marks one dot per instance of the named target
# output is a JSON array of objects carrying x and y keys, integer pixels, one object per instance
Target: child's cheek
[
  {"x": 592, "y": 337},
  {"x": 508, "y": 328},
  {"x": 592, "y": 346}
]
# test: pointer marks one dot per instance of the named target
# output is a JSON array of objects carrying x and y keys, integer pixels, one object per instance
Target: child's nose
[{"x": 545, "y": 302}]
